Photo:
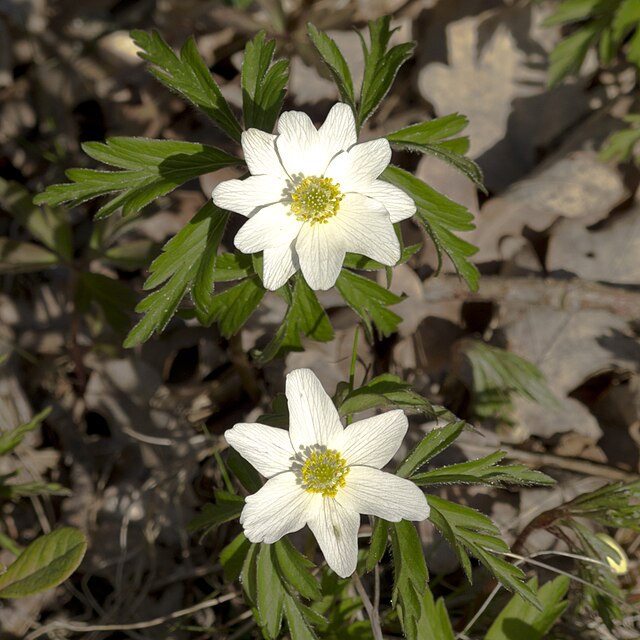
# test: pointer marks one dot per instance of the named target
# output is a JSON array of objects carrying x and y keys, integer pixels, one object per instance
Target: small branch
[{"x": 372, "y": 611}]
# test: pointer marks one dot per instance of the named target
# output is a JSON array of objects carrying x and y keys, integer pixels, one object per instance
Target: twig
[
  {"x": 85, "y": 628},
  {"x": 372, "y": 612}
]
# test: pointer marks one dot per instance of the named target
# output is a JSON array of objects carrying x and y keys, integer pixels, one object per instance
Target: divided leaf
[
  {"x": 227, "y": 507},
  {"x": 188, "y": 75},
  {"x": 150, "y": 169},
  {"x": 263, "y": 84},
  {"x": 380, "y": 67},
  {"x": 370, "y": 301},
  {"x": 187, "y": 263},
  {"x": 9, "y": 440},
  {"x": 440, "y": 216}
]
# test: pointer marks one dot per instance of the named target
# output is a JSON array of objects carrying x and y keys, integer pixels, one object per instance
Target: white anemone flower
[
  {"x": 313, "y": 195},
  {"x": 324, "y": 475}
]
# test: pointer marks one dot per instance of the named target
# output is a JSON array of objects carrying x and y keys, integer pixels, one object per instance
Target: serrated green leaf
[
  {"x": 484, "y": 471},
  {"x": 434, "y": 621},
  {"x": 299, "y": 627},
  {"x": 150, "y": 169},
  {"x": 305, "y": 315},
  {"x": 24, "y": 257},
  {"x": 569, "y": 54},
  {"x": 378, "y": 544},
  {"x": 227, "y": 507},
  {"x": 186, "y": 262},
  {"x": 232, "y": 266},
  {"x": 270, "y": 593},
  {"x": 520, "y": 620},
  {"x": 232, "y": 308},
  {"x": 232, "y": 557},
  {"x": 430, "y": 446},
  {"x": 385, "y": 390},
  {"x": 410, "y": 573},
  {"x": 189, "y": 75},
  {"x": 435, "y": 130},
  {"x": 295, "y": 569},
  {"x": 263, "y": 84},
  {"x": 336, "y": 63},
  {"x": 47, "y": 225},
  {"x": 440, "y": 216},
  {"x": 370, "y": 301},
  {"x": 9, "y": 440},
  {"x": 356, "y": 261},
  {"x": 380, "y": 67},
  {"x": 45, "y": 563},
  {"x": 470, "y": 532}
]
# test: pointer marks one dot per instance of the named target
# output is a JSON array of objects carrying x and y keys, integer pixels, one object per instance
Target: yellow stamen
[
  {"x": 315, "y": 200},
  {"x": 324, "y": 472}
]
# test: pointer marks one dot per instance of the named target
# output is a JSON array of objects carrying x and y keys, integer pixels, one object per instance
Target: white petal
[
  {"x": 373, "y": 441},
  {"x": 299, "y": 145},
  {"x": 268, "y": 449},
  {"x": 246, "y": 196},
  {"x": 321, "y": 251},
  {"x": 272, "y": 226},
  {"x": 361, "y": 165},
  {"x": 260, "y": 154},
  {"x": 278, "y": 266},
  {"x": 313, "y": 416},
  {"x": 280, "y": 507},
  {"x": 381, "y": 494},
  {"x": 365, "y": 227},
  {"x": 338, "y": 133},
  {"x": 336, "y": 530},
  {"x": 399, "y": 205}
]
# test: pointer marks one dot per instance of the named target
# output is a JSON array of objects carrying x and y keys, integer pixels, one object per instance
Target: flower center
[
  {"x": 324, "y": 472},
  {"x": 316, "y": 200}
]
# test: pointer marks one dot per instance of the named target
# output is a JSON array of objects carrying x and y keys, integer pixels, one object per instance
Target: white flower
[
  {"x": 313, "y": 195},
  {"x": 324, "y": 475}
]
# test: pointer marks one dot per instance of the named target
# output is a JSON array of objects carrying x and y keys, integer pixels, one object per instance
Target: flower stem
[{"x": 372, "y": 611}]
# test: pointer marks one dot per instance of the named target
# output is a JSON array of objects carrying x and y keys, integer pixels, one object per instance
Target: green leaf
[
  {"x": 227, "y": 507},
  {"x": 9, "y": 440},
  {"x": 49, "y": 226},
  {"x": 185, "y": 264},
  {"x": 378, "y": 544},
  {"x": 434, "y": 621},
  {"x": 263, "y": 84},
  {"x": 232, "y": 308},
  {"x": 498, "y": 373},
  {"x": 385, "y": 390},
  {"x": 132, "y": 255},
  {"x": 569, "y": 54},
  {"x": 430, "y": 137},
  {"x": 430, "y": 446},
  {"x": 270, "y": 593},
  {"x": 296, "y": 569},
  {"x": 23, "y": 257},
  {"x": 150, "y": 169},
  {"x": 299, "y": 627},
  {"x": 410, "y": 574},
  {"x": 337, "y": 65},
  {"x": 232, "y": 266},
  {"x": 619, "y": 146},
  {"x": 576, "y": 10},
  {"x": 440, "y": 216},
  {"x": 380, "y": 67},
  {"x": 249, "y": 478},
  {"x": 520, "y": 620},
  {"x": 188, "y": 75},
  {"x": 45, "y": 563},
  {"x": 305, "y": 315},
  {"x": 24, "y": 489},
  {"x": 356, "y": 261},
  {"x": 114, "y": 299},
  {"x": 470, "y": 532},
  {"x": 370, "y": 301},
  {"x": 484, "y": 471},
  {"x": 625, "y": 19},
  {"x": 232, "y": 557}
]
